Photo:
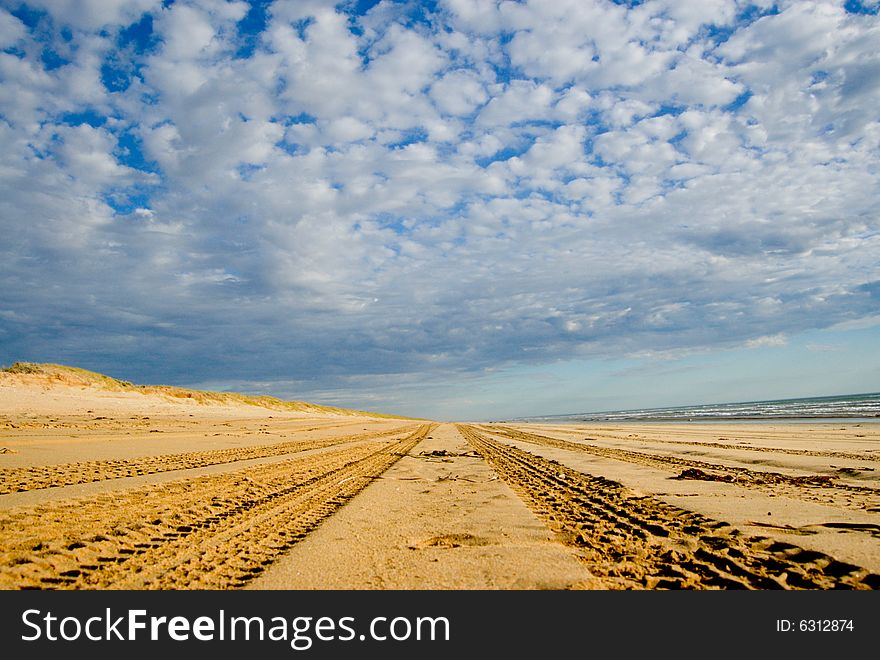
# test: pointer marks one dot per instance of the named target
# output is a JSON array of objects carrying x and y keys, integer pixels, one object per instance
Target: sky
[{"x": 462, "y": 209}]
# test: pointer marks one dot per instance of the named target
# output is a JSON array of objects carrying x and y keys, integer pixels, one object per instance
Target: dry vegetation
[{"x": 62, "y": 374}]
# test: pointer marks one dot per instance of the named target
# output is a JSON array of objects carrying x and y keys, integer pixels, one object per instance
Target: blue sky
[{"x": 457, "y": 209}]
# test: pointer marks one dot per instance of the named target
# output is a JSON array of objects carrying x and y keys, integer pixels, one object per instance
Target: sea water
[{"x": 847, "y": 406}]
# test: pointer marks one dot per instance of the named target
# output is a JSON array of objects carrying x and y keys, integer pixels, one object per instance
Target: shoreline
[{"x": 835, "y": 419}]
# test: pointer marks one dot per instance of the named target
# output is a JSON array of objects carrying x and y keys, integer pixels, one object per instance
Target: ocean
[{"x": 847, "y": 406}]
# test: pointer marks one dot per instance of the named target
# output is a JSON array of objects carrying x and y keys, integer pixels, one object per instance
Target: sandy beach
[{"x": 104, "y": 488}]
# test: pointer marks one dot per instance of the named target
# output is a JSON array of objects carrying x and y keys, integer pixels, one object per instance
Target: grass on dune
[{"x": 75, "y": 376}]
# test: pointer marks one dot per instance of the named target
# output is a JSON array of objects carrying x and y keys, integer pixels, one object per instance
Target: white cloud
[
  {"x": 88, "y": 152},
  {"x": 187, "y": 33},
  {"x": 825, "y": 348},
  {"x": 12, "y": 30},
  {"x": 459, "y": 92},
  {"x": 92, "y": 15},
  {"x": 521, "y": 100},
  {"x": 695, "y": 81},
  {"x": 767, "y": 341}
]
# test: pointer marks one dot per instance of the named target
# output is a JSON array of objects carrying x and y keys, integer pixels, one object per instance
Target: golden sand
[{"x": 105, "y": 485}]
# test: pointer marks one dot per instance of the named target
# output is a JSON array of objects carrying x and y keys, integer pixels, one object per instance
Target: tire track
[
  {"x": 16, "y": 480},
  {"x": 804, "y": 487},
  {"x": 863, "y": 456},
  {"x": 638, "y": 542},
  {"x": 213, "y": 532}
]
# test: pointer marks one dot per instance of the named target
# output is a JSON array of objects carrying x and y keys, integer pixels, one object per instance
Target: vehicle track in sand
[
  {"x": 213, "y": 532},
  {"x": 647, "y": 439},
  {"x": 16, "y": 480},
  {"x": 813, "y": 488},
  {"x": 639, "y": 542}
]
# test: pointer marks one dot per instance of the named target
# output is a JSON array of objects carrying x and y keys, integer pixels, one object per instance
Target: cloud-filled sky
[{"x": 459, "y": 209}]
